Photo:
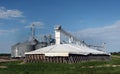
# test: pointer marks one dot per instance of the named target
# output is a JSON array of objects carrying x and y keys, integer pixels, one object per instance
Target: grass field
[{"x": 92, "y": 67}]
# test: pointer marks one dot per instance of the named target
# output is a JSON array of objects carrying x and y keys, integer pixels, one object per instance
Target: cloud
[
  {"x": 38, "y": 24},
  {"x": 23, "y": 21},
  {"x": 109, "y": 34},
  {"x": 7, "y": 31},
  {"x": 7, "y": 13}
]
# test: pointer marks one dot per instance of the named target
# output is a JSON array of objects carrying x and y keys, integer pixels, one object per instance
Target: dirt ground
[
  {"x": 7, "y": 60},
  {"x": 3, "y": 66}
]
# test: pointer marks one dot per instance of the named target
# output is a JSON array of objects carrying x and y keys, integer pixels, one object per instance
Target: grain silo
[
  {"x": 72, "y": 52},
  {"x": 18, "y": 50}
]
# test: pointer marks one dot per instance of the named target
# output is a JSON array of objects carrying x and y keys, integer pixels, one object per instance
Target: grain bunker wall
[{"x": 72, "y": 58}]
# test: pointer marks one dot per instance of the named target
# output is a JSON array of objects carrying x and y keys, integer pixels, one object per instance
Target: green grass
[{"x": 58, "y": 68}]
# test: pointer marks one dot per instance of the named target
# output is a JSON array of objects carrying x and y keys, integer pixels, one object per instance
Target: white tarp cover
[
  {"x": 53, "y": 50},
  {"x": 56, "y": 54}
]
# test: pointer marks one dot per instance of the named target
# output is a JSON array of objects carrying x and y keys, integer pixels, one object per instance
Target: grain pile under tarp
[
  {"x": 65, "y": 53},
  {"x": 67, "y": 48}
]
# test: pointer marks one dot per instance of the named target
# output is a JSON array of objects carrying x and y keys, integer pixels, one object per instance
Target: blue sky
[{"x": 95, "y": 21}]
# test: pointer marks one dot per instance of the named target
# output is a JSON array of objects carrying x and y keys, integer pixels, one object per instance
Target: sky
[{"x": 94, "y": 21}]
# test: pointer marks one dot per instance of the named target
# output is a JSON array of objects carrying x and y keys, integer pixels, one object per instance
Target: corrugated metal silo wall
[{"x": 21, "y": 49}]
